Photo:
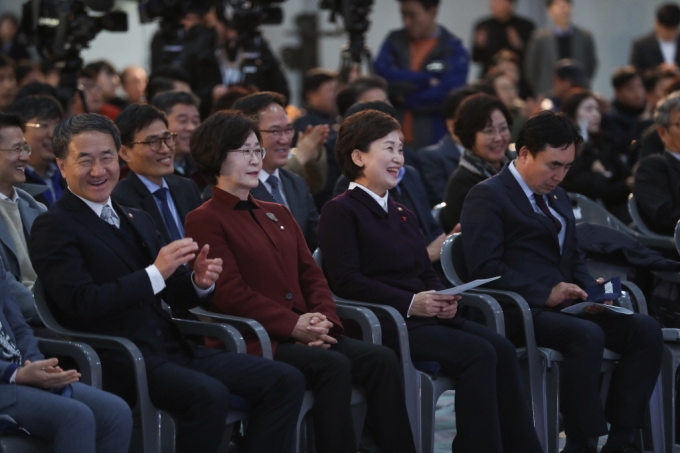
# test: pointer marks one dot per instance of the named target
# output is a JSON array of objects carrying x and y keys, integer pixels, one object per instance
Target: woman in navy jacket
[{"x": 373, "y": 251}]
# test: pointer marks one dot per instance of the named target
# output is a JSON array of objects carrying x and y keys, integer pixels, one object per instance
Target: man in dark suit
[
  {"x": 519, "y": 225},
  {"x": 657, "y": 180},
  {"x": 106, "y": 270},
  {"x": 660, "y": 47},
  {"x": 277, "y": 184},
  {"x": 18, "y": 210},
  {"x": 148, "y": 149}
]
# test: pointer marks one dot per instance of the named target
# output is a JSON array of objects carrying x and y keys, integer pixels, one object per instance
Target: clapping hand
[{"x": 206, "y": 270}]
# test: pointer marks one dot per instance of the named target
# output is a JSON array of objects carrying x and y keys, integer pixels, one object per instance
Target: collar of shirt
[
  {"x": 152, "y": 186},
  {"x": 527, "y": 190},
  {"x": 563, "y": 32},
  {"x": 676, "y": 155},
  {"x": 382, "y": 201},
  {"x": 263, "y": 175},
  {"x": 96, "y": 207},
  {"x": 14, "y": 198}
]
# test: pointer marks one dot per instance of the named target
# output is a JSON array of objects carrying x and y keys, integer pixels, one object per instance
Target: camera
[{"x": 355, "y": 19}]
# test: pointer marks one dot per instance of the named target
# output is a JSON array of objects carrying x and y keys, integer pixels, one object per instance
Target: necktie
[
  {"x": 162, "y": 196},
  {"x": 540, "y": 202},
  {"x": 273, "y": 181},
  {"x": 107, "y": 215}
]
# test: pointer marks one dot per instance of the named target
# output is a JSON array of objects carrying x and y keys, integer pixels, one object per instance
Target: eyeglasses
[
  {"x": 491, "y": 132},
  {"x": 19, "y": 150},
  {"x": 278, "y": 133},
  {"x": 156, "y": 142},
  {"x": 248, "y": 154}
]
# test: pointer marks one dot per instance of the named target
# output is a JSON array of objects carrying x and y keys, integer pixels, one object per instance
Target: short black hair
[
  {"x": 548, "y": 3},
  {"x": 455, "y": 98},
  {"x": 77, "y": 124},
  {"x": 102, "y": 65},
  {"x": 136, "y": 117},
  {"x": 166, "y": 101},
  {"x": 171, "y": 72},
  {"x": 474, "y": 114},
  {"x": 6, "y": 62},
  {"x": 24, "y": 68},
  {"x": 571, "y": 70},
  {"x": 652, "y": 77},
  {"x": 380, "y": 106},
  {"x": 427, "y": 4},
  {"x": 316, "y": 77},
  {"x": 668, "y": 15},
  {"x": 349, "y": 95},
  {"x": 573, "y": 101},
  {"x": 157, "y": 86},
  {"x": 42, "y": 106},
  {"x": 547, "y": 128},
  {"x": 221, "y": 132},
  {"x": 11, "y": 120},
  {"x": 253, "y": 104},
  {"x": 233, "y": 94},
  {"x": 623, "y": 75},
  {"x": 358, "y": 131},
  {"x": 36, "y": 89}
]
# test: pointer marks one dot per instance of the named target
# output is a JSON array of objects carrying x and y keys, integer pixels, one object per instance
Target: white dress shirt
[{"x": 263, "y": 175}]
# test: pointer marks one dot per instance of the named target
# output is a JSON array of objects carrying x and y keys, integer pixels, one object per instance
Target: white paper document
[
  {"x": 465, "y": 287},
  {"x": 578, "y": 309}
]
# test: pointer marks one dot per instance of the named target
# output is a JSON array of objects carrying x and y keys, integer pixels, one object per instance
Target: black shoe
[{"x": 628, "y": 447}]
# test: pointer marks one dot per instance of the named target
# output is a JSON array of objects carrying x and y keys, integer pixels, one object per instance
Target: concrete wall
[{"x": 614, "y": 23}]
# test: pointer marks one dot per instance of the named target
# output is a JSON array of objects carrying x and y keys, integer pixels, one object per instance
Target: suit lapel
[
  {"x": 28, "y": 215},
  {"x": 294, "y": 202},
  {"x": 178, "y": 198},
  {"x": 261, "y": 193},
  {"x": 368, "y": 201},
  {"x": 6, "y": 239},
  {"x": 148, "y": 203}
]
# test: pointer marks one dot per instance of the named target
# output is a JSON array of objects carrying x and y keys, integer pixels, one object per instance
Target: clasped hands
[
  {"x": 176, "y": 253},
  {"x": 429, "y": 304},
  {"x": 565, "y": 291},
  {"x": 45, "y": 374},
  {"x": 312, "y": 329}
]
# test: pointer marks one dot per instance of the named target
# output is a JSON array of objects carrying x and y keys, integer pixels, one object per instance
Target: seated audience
[
  {"x": 277, "y": 182},
  {"x": 40, "y": 115},
  {"x": 87, "y": 97},
  {"x": 148, "y": 149},
  {"x": 659, "y": 49},
  {"x": 28, "y": 71},
  {"x": 483, "y": 128},
  {"x": 181, "y": 111},
  {"x": 9, "y": 42},
  {"x": 657, "y": 180},
  {"x": 568, "y": 75},
  {"x": 519, "y": 225},
  {"x": 18, "y": 210},
  {"x": 421, "y": 62},
  {"x": 41, "y": 398},
  {"x": 597, "y": 171},
  {"x": 438, "y": 161},
  {"x": 506, "y": 90},
  {"x": 362, "y": 89},
  {"x": 106, "y": 270},
  {"x": 8, "y": 82},
  {"x": 373, "y": 251},
  {"x": 270, "y": 276},
  {"x": 109, "y": 82},
  {"x": 622, "y": 122},
  {"x": 133, "y": 80}
]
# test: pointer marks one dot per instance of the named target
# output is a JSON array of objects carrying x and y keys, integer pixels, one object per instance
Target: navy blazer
[
  {"x": 376, "y": 256},
  {"x": 300, "y": 203},
  {"x": 132, "y": 193},
  {"x": 93, "y": 284},
  {"x": 504, "y": 236},
  {"x": 413, "y": 185},
  {"x": 437, "y": 164}
]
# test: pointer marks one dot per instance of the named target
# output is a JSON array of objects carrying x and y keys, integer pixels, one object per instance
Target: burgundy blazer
[
  {"x": 376, "y": 256},
  {"x": 268, "y": 273}
]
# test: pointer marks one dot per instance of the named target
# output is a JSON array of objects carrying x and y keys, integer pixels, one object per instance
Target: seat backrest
[
  {"x": 588, "y": 211},
  {"x": 677, "y": 237},
  {"x": 44, "y": 311},
  {"x": 637, "y": 218},
  {"x": 453, "y": 260}
]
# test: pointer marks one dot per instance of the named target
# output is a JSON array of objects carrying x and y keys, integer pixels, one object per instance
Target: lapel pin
[
  {"x": 282, "y": 227},
  {"x": 400, "y": 209},
  {"x": 403, "y": 218},
  {"x": 272, "y": 217},
  {"x": 131, "y": 216},
  {"x": 555, "y": 197}
]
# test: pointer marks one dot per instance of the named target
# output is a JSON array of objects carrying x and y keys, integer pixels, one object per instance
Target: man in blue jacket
[{"x": 421, "y": 62}]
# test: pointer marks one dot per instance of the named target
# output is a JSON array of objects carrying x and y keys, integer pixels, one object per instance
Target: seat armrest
[
  {"x": 246, "y": 324},
  {"x": 86, "y": 357},
  {"x": 671, "y": 335},
  {"x": 636, "y": 295},
  {"x": 367, "y": 320},
  {"x": 493, "y": 313},
  {"x": 230, "y": 336}
]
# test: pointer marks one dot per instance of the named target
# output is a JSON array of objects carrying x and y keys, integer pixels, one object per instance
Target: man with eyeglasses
[
  {"x": 41, "y": 114},
  {"x": 88, "y": 97},
  {"x": 277, "y": 184},
  {"x": 148, "y": 148},
  {"x": 18, "y": 210}
]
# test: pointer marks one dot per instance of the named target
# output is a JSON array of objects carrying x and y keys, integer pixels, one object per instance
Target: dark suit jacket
[
  {"x": 646, "y": 53},
  {"x": 504, "y": 236},
  {"x": 657, "y": 192},
  {"x": 300, "y": 203},
  {"x": 132, "y": 193},
  {"x": 413, "y": 185},
  {"x": 268, "y": 272},
  {"x": 376, "y": 256},
  {"x": 29, "y": 209},
  {"x": 93, "y": 283},
  {"x": 437, "y": 164},
  {"x": 459, "y": 185}
]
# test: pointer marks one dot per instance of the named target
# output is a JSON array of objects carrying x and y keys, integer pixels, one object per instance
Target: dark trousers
[
  {"x": 195, "y": 391},
  {"x": 581, "y": 340},
  {"x": 491, "y": 413},
  {"x": 331, "y": 373}
]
